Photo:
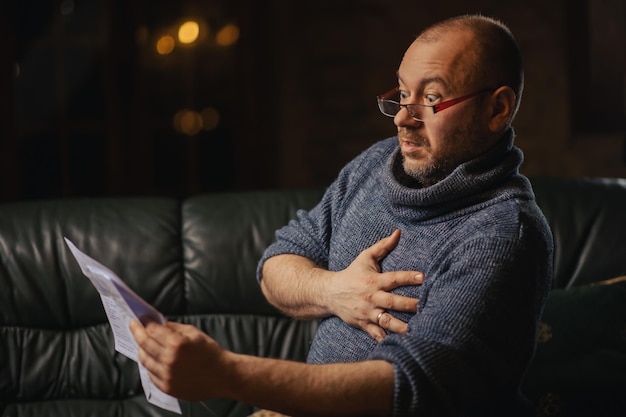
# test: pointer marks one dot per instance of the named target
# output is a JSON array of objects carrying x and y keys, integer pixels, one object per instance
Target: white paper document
[{"x": 121, "y": 306}]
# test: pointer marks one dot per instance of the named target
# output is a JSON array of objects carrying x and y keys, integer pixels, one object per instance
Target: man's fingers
[
  {"x": 148, "y": 351},
  {"x": 393, "y": 280},
  {"x": 388, "y": 322},
  {"x": 394, "y": 302},
  {"x": 184, "y": 329},
  {"x": 392, "y": 324},
  {"x": 375, "y": 331},
  {"x": 382, "y": 323},
  {"x": 142, "y": 336},
  {"x": 157, "y": 330},
  {"x": 381, "y": 248},
  {"x": 153, "y": 338},
  {"x": 154, "y": 367},
  {"x": 137, "y": 329}
]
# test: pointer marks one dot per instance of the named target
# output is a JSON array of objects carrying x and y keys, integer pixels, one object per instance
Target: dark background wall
[{"x": 89, "y": 108}]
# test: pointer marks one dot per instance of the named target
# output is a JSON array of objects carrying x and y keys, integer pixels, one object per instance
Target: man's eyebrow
[{"x": 434, "y": 80}]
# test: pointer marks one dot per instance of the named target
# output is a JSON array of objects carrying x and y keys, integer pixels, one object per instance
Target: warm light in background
[
  {"x": 165, "y": 44},
  {"x": 210, "y": 118},
  {"x": 190, "y": 122},
  {"x": 227, "y": 35},
  {"x": 188, "y": 32}
]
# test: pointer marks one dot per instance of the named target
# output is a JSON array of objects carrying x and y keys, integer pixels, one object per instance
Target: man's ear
[{"x": 502, "y": 106}]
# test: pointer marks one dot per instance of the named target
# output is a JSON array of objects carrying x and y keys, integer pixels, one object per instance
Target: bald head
[{"x": 496, "y": 59}]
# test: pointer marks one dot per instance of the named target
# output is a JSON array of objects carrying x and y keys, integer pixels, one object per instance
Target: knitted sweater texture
[{"x": 486, "y": 253}]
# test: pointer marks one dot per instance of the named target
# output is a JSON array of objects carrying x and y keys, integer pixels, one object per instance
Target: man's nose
[{"x": 404, "y": 118}]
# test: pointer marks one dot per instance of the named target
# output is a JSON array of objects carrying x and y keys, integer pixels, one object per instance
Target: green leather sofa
[{"x": 195, "y": 261}]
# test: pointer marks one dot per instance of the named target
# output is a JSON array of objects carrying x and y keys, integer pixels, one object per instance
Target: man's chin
[
  {"x": 413, "y": 168},
  {"x": 418, "y": 170},
  {"x": 415, "y": 160}
]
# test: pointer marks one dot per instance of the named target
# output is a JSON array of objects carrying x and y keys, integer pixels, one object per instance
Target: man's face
[{"x": 430, "y": 73}]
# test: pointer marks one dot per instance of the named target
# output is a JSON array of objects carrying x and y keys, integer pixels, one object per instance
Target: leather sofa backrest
[
  {"x": 588, "y": 221},
  {"x": 195, "y": 261}
]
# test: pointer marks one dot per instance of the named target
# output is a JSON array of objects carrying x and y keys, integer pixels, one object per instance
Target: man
[{"x": 445, "y": 198}]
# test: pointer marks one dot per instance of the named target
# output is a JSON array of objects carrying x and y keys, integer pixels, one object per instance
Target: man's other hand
[
  {"x": 181, "y": 359},
  {"x": 360, "y": 294}
]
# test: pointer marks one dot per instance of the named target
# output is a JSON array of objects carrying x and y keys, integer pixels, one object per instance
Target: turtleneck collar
[{"x": 466, "y": 185}]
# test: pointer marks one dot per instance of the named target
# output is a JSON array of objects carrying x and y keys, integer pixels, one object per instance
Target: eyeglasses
[{"x": 391, "y": 107}]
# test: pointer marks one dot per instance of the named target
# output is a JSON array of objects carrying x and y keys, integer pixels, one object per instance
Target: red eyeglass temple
[
  {"x": 440, "y": 106},
  {"x": 452, "y": 102}
]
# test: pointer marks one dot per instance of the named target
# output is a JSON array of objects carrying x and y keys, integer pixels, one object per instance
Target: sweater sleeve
[
  {"x": 468, "y": 346},
  {"x": 310, "y": 234}
]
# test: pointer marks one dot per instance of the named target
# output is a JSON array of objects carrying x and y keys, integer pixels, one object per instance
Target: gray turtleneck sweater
[{"x": 486, "y": 252}]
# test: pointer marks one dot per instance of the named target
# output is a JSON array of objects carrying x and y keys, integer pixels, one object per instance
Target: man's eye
[
  {"x": 403, "y": 95},
  {"x": 431, "y": 98}
]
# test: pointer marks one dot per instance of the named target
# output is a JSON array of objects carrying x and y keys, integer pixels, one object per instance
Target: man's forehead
[{"x": 443, "y": 61}]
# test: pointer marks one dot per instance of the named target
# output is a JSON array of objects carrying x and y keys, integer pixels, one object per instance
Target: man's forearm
[
  {"x": 187, "y": 363},
  {"x": 294, "y": 285},
  {"x": 346, "y": 389}
]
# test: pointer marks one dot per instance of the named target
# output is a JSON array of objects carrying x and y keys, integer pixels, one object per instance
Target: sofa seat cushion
[{"x": 580, "y": 363}]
